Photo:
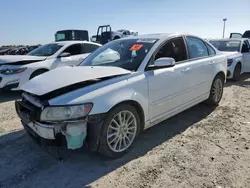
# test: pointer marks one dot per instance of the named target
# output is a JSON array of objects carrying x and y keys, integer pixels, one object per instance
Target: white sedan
[
  {"x": 121, "y": 89},
  {"x": 15, "y": 70},
  {"x": 237, "y": 51}
]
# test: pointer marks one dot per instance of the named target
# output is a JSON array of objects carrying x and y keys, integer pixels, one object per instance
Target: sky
[{"x": 35, "y": 22}]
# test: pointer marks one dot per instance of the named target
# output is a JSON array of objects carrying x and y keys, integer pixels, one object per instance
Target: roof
[
  {"x": 74, "y": 41},
  {"x": 155, "y": 36}
]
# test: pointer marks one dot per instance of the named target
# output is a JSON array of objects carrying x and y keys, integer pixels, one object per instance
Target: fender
[{"x": 105, "y": 95}]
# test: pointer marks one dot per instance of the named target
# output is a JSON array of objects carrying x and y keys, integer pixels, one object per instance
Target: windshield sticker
[
  {"x": 146, "y": 40},
  {"x": 136, "y": 47}
]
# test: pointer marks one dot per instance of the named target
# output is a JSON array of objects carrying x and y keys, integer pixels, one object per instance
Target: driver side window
[
  {"x": 75, "y": 49},
  {"x": 175, "y": 48}
]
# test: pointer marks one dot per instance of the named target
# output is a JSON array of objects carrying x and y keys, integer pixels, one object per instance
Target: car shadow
[
  {"x": 80, "y": 168},
  {"x": 243, "y": 82},
  {"x": 6, "y": 96}
]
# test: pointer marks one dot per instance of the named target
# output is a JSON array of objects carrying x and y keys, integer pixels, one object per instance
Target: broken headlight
[{"x": 66, "y": 113}]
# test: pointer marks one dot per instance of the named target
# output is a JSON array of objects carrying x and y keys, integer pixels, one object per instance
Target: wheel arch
[
  {"x": 222, "y": 74},
  {"x": 138, "y": 108},
  {"x": 38, "y": 70},
  {"x": 117, "y": 37}
]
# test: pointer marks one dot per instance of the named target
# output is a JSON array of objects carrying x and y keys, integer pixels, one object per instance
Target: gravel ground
[{"x": 201, "y": 147}]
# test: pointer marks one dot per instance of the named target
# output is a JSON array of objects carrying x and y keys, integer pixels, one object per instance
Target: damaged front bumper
[{"x": 74, "y": 133}]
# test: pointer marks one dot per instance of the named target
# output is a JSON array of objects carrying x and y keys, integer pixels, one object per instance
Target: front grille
[{"x": 27, "y": 111}]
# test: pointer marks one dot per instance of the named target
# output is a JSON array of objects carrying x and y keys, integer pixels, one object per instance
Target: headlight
[
  {"x": 12, "y": 71},
  {"x": 66, "y": 113},
  {"x": 229, "y": 62}
]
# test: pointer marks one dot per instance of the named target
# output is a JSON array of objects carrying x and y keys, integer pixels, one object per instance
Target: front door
[
  {"x": 245, "y": 50},
  {"x": 75, "y": 58},
  {"x": 168, "y": 86}
]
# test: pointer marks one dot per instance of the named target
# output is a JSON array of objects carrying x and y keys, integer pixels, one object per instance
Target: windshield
[
  {"x": 46, "y": 50},
  {"x": 227, "y": 46},
  {"x": 127, "y": 54}
]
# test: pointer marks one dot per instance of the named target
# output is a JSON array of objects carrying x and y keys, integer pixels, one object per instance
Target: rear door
[
  {"x": 235, "y": 35},
  {"x": 245, "y": 50},
  {"x": 204, "y": 59}
]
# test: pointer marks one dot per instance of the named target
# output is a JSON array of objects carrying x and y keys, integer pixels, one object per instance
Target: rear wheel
[
  {"x": 237, "y": 72},
  {"x": 119, "y": 131},
  {"x": 216, "y": 91},
  {"x": 38, "y": 72}
]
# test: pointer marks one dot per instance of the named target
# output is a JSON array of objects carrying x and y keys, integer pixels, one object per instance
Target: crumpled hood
[
  {"x": 231, "y": 55},
  {"x": 8, "y": 59},
  {"x": 66, "y": 76}
]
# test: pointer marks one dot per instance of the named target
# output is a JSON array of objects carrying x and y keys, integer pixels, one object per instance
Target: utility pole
[{"x": 224, "y": 26}]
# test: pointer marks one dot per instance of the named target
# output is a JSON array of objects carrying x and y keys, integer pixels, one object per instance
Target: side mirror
[
  {"x": 64, "y": 54},
  {"x": 164, "y": 62}
]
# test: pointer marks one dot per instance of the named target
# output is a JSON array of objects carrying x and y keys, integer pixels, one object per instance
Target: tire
[
  {"x": 216, "y": 91},
  {"x": 113, "y": 142},
  {"x": 37, "y": 72},
  {"x": 237, "y": 72}
]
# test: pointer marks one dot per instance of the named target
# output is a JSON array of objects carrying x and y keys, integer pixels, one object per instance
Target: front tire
[
  {"x": 216, "y": 91},
  {"x": 121, "y": 128},
  {"x": 237, "y": 72}
]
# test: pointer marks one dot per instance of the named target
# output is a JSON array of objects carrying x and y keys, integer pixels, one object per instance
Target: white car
[
  {"x": 237, "y": 51},
  {"x": 141, "y": 81},
  {"x": 15, "y": 70}
]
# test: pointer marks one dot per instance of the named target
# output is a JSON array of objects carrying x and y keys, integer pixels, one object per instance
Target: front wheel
[
  {"x": 120, "y": 129},
  {"x": 237, "y": 72},
  {"x": 216, "y": 91}
]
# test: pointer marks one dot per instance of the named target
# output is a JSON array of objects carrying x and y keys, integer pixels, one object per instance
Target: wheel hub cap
[{"x": 121, "y": 131}]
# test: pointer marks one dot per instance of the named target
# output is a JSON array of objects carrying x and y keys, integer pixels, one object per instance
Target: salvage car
[
  {"x": 237, "y": 51},
  {"x": 121, "y": 89},
  {"x": 15, "y": 70}
]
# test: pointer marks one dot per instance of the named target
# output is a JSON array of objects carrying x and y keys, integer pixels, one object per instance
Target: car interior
[{"x": 174, "y": 49}]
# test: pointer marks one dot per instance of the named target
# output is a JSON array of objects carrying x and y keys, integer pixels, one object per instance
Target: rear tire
[
  {"x": 216, "y": 91},
  {"x": 237, "y": 72},
  {"x": 120, "y": 130},
  {"x": 37, "y": 72}
]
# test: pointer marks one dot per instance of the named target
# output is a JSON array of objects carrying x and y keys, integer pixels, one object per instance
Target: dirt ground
[{"x": 201, "y": 147}]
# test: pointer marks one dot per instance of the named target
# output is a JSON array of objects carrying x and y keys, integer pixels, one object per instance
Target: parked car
[
  {"x": 15, "y": 70},
  {"x": 121, "y": 89},
  {"x": 237, "y": 51}
]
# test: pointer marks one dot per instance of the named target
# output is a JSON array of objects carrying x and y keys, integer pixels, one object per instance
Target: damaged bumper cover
[{"x": 74, "y": 133}]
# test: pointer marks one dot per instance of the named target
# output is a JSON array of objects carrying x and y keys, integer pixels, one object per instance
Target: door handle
[
  {"x": 186, "y": 70},
  {"x": 211, "y": 63}
]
